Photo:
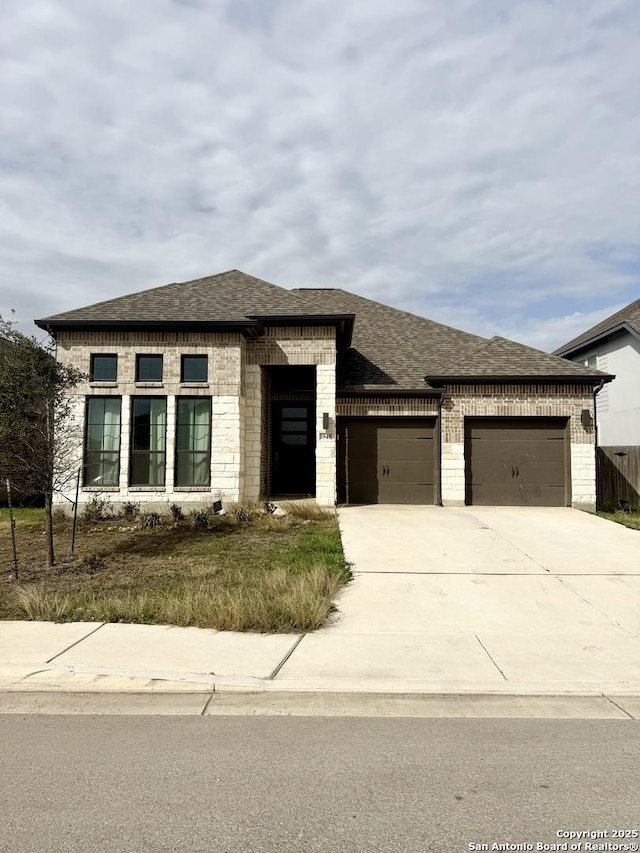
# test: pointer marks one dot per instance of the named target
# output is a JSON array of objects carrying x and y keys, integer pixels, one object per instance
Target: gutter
[{"x": 596, "y": 391}]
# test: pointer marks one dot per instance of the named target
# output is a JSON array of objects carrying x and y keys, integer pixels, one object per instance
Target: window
[
  {"x": 148, "y": 368},
  {"x": 102, "y": 442},
  {"x": 193, "y": 441},
  {"x": 148, "y": 437},
  {"x": 194, "y": 368},
  {"x": 104, "y": 368},
  {"x": 592, "y": 361}
]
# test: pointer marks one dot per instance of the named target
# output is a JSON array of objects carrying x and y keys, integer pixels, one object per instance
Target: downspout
[
  {"x": 438, "y": 495},
  {"x": 596, "y": 391}
]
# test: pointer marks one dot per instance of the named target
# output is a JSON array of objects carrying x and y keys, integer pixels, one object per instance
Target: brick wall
[
  {"x": 236, "y": 387},
  {"x": 462, "y": 401}
]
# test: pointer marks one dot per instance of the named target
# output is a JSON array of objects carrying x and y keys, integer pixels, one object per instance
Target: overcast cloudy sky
[{"x": 474, "y": 161}]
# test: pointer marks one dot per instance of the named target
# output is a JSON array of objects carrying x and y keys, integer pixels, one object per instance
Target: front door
[{"x": 293, "y": 448}]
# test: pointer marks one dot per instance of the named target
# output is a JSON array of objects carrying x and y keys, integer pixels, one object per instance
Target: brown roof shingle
[{"x": 391, "y": 350}]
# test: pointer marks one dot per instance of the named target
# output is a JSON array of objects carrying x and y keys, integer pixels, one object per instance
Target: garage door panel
[
  {"x": 405, "y": 493},
  {"x": 504, "y": 428},
  {"x": 389, "y": 460},
  {"x": 525, "y": 471},
  {"x": 387, "y": 431},
  {"x": 542, "y": 450},
  {"x": 519, "y": 494},
  {"x": 405, "y": 449},
  {"x": 516, "y": 462},
  {"x": 406, "y": 471}
]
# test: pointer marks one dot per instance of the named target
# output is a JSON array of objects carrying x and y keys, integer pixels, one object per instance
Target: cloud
[{"x": 477, "y": 161}]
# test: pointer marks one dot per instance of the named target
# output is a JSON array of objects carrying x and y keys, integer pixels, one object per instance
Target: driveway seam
[
  {"x": 513, "y": 545},
  {"x": 491, "y": 658},
  {"x": 275, "y": 672},
  {"x": 611, "y": 619},
  {"x": 619, "y": 707},
  {"x": 81, "y": 640}
]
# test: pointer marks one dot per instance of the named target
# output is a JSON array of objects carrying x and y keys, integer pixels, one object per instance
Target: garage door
[
  {"x": 387, "y": 460},
  {"x": 516, "y": 461}
]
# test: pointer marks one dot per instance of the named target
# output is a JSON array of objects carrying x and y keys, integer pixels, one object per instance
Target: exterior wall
[
  {"x": 236, "y": 388},
  {"x": 226, "y": 358},
  {"x": 618, "y": 404},
  {"x": 381, "y": 406},
  {"x": 303, "y": 345},
  {"x": 462, "y": 401}
]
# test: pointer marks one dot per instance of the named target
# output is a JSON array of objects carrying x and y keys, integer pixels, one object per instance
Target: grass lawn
[
  {"x": 629, "y": 519},
  {"x": 264, "y": 573}
]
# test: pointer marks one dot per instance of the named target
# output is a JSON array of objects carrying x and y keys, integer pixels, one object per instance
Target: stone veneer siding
[
  {"x": 236, "y": 387},
  {"x": 462, "y": 401}
]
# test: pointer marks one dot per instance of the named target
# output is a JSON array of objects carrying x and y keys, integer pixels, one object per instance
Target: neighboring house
[
  {"x": 614, "y": 347},
  {"x": 232, "y": 387}
]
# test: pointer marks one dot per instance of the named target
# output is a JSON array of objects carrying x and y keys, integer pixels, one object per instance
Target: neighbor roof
[
  {"x": 391, "y": 350},
  {"x": 627, "y": 319}
]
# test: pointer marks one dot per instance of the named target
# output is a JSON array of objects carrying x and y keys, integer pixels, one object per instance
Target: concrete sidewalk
[{"x": 493, "y": 601}]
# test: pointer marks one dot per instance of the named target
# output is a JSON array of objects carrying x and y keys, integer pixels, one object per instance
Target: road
[{"x": 280, "y": 784}]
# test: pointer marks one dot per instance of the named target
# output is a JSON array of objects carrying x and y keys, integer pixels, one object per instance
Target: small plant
[
  {"x": 131, "y": 510},
  {"x": 150, "y": 519},
  {"x": 92, "y": 563},
  {"x": 97, "y": 509},
  {"x": 199, "y": 519},
  {"x": 176, "y": 512}
]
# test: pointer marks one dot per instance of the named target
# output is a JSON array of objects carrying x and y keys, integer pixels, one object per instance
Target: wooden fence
[{"x": 618, "y": 476}]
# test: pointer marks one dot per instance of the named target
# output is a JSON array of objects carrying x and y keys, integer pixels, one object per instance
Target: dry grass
[
  {"x": 242, "y": 573},
  {"x": 629, "y": 519}
]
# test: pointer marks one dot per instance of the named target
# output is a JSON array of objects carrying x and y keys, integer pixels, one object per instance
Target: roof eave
[
  {"x": 566, "y": 351},
  {"x": 539, "y": 379},
  {"x": 250, "y": 328}
]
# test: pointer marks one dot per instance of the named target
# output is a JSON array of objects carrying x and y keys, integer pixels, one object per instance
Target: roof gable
[{"x": 627, "y": 319}]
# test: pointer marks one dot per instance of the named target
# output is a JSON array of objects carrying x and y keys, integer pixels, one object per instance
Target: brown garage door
[
  {"x": 387, "y": 460},
  {"x": 516, "y": 461}
]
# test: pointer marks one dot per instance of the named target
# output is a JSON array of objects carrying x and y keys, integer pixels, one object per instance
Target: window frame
[
  {"x": 159, "y": 357},
  {"x": 178, "y": 452},
  {"x": 92, "y": 376},
  {"x": 85, "y": 444},
  {"x": 202, "y": 357},
  {"x": 133, "y": 453}
]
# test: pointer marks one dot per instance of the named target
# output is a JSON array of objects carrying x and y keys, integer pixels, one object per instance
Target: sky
[{"x": 473, "y": 161}]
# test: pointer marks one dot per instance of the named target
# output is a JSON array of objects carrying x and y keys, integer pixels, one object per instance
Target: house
[
  {"x": 613, "y": 346},
  {"x": 231, "y": 387}
]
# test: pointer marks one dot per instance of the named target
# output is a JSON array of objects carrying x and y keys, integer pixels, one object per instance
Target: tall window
[
  {"x": 104, "y": 368},
  {"x": 102, "y": 441},
  {"x": 148, "y": 437},
  {"x": 193, "y": 441},
  {"x": 148, "y": 368}
]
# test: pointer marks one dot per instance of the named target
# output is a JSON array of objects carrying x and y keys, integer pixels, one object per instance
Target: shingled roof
[
  {"x": 627, "y": 318},
  {"x": 231, "y": 297},
  {"x": 391, "y": 350},
  {"x": 500, "y": 358}
]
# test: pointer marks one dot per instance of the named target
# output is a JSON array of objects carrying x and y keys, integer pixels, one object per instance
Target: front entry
[{"x": 293, "y": 448}]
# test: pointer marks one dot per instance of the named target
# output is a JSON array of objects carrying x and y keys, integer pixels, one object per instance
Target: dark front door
[
  {"x": 516, "y": 461},
  {"x": 293, "y": 448},
  {"x": 388, "y": 460}
]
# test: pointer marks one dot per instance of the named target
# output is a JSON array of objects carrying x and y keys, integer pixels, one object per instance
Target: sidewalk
[
  {"x": 99, "y": 657},
  {"x": 491, "y": 602}
]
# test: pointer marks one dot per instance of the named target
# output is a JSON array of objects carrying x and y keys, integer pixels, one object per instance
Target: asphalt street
[{"x": 240, "y": 784}]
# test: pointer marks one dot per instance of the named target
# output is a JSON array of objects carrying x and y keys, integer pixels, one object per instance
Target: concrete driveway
[{"x": 487, "y": 598}]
